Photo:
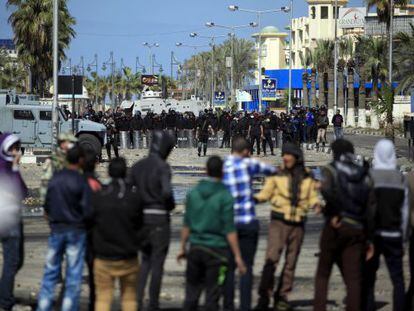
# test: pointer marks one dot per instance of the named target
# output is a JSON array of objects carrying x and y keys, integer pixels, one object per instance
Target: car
[{"x": 25, "y": 116}]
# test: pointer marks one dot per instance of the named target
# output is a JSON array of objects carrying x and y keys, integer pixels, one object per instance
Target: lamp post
[
  {"x": 259, "y": 14},
  {"x": 336, "y": 57},
  {"x": 79, "y": 68},
  {"x": 157, "y": 65},
  {"x": 67, "y": 65},
  {"x": 195, "y": 47},
  {"x": 139, "y": 65},
  {"x": 212, "y": 39},
  {"x": 111, "y": 63},
  {"x": 95, "y": 64},
  {"x": 55, "y": 105},
  {"x": 151, "y": 58},
  {"x": 233, "y": 29}
]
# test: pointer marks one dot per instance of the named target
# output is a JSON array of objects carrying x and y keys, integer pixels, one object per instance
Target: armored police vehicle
[{"x": 25, "y": 116}]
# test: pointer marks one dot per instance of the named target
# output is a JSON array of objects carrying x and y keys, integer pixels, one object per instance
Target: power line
[{"x": 135, "y": 35}]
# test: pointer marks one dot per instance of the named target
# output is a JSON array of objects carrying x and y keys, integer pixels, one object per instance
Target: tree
[
  {"x": 32, "y": 23},
  {"x": 345, "y": 54},
  {"x": 325, "y": 62},
  {"x": 244, "y": 66},
  {"x": 404, "y": 60},
  {"x": 12, "y": 73},
  {"x": 307, "y": 61}
]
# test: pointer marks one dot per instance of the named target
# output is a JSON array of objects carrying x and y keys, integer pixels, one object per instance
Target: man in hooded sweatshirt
[
  {"x": 13, "y": 190},
  {"x": 292, "y": 192},
  {"x": 152, "y": 178},
  {"x": 391, "y": 223},
  {"x": 347, "y": 234},
  {"x": 209, "y": 227}
]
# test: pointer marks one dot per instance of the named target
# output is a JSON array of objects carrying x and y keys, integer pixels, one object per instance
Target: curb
[{"x": 369, "y": 132}]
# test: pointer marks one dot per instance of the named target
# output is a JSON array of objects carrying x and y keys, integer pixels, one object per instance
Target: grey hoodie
[{"x": 392, "y": 192}]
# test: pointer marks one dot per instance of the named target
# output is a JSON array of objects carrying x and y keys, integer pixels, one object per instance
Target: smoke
[{"x": 10, "y": 207}]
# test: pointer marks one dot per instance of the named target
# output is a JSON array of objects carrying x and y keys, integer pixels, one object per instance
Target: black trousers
[
  {"x": 206, "y": 268},
  {"x": 392, "y": 249},
  {"x": 154, "y": 250},
  {"x": 226, "y": 140},
  {"x": 112, "y": 141},
  {"x": 409, "y": 301},
  {"x": 248, "y": 235},
  {"x": 255, "y": 138},
  {"x": 267, "y": 140}
]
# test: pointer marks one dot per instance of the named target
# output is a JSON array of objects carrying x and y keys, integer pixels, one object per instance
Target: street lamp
[
  {"x": 259, "y": 14},
  {"x": 150, "y": 46},
  {"x": 195, "y": 47},
  {"x": 94, "y": 64},
  {"x": 233, "y": 29},
  {"x": 111, "y": 63},
  {"x": 79, "y": 68},
  {"x": 139, "y": 65},
  {"x": 68, "y": 66},
  {"x": 212, "y": 39}
]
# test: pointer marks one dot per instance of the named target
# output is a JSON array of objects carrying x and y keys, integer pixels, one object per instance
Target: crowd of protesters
[
  {"x": 122, "y": 229},
  {"x": 306, "y": 126}
]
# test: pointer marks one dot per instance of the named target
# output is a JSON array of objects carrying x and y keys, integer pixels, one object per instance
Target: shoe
[
  {"x": 262, "y": 305},
  {"x": 199, "y": 154},
  {"x": 282, "y": 305}
]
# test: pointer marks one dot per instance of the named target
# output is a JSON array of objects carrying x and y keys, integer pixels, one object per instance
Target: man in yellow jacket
[{"x": 292, "y": 193}]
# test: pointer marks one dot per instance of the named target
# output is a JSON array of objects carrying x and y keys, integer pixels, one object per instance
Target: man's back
[
  {"x": 67, "y": 200},
  {"x": 238, "y": 175},
  {"x": 117, "y": 220},
  {"x": 209, "y": 214}
]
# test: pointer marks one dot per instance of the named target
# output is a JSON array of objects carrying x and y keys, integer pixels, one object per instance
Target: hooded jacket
[
  {"x": 117, "y": 220},
  {"x": 12, "y": 189},
  {"x": 291, "y": 193},
  {"x": 209, "y": 214},
  {"x": 7, "y": 171},
  {"x": 391, "y": 191},
  {"x": 152, "y": 178}
]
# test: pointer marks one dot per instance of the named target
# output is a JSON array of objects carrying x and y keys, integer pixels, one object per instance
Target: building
[
  {"x": 319, "y": 24},
  {"x": 9, "y": 46},
  {"x": 273, "y": 44}
]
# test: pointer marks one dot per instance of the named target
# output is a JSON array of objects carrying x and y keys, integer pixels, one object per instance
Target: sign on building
[
  {"x": 352, "y": 17},
  {"x": 149, "y": 80},
  {"x": 243, "y": 96},
  {"x": 269, "y": 87},
  {"x": 219, "y": 98}
]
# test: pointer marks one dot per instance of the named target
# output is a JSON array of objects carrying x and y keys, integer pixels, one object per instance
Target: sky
[{"x": 122, "y": 26}]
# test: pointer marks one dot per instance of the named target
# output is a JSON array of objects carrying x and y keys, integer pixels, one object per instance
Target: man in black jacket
[
  {"x": 67, "y": 207},
  {"x": 117, "y": 220},
  {"x": 152, "y": 178}
]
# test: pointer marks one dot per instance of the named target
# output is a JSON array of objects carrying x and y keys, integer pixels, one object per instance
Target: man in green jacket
[{"x": 209, "y": 229}]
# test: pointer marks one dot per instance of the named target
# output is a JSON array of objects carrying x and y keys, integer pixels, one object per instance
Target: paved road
[{"x": 37, "y": 231}]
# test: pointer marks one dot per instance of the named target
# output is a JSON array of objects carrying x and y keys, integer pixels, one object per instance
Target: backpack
[{"x": 353, "y": 188}]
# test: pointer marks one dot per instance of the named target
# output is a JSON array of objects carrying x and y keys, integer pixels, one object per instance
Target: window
[
  {"x": 324, "y": 12},
  {"x": 313, "y": 12},
  {"x": 45, "y": 115},
  {"x": 335, "y": 12},
  {"x": 23, "y": 115}
]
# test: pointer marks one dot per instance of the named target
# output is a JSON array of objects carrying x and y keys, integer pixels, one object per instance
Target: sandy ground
[{"x": 187, "y": 170}]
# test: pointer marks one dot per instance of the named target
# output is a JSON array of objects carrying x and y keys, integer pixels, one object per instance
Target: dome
[{"x": 270, "y": 30}]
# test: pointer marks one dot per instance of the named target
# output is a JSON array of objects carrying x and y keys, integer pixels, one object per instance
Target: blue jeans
[
  {"x": 339, "y": 132},
  {"x": 248, "y": 235},
  {"x": 12, "y": 261},
  {"x": 72, "y": 245}
]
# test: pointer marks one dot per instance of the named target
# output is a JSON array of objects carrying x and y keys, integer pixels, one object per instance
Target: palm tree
[
  {"x": 324, "y": 58},
  {"x": 345, "y": 54},
  {"x": 404, "y": 60},
  {"x": 351, "y": 92},
  {"x": 32, "y": 23},
  {"x": 307, "y": 61},
  {"x": 244, "y": 66}
]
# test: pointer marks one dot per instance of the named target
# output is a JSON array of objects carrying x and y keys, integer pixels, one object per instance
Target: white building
[
  {"x": 9, "y": 46},
  {"x": 273, "y": 48}
]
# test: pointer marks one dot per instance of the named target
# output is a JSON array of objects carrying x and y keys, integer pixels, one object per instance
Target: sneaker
[
  {"x": 262, "y": 305},
  {"x": 283, "y": 305}
]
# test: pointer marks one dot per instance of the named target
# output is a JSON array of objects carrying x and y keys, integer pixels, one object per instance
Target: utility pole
[
  {"x": 290, "y": 57},
  {"x": 55, "y": 105},
  {"x": 390, "y": 42},
  {"x": 336, "y": 58}
]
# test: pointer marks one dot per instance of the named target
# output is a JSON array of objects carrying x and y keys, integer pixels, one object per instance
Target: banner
[
  {"x": 269, "y": 87},
  {"x": 219, "y": 98},
  {"x": 351, "y": 17},
  {"x": 149, "y": 80}
]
